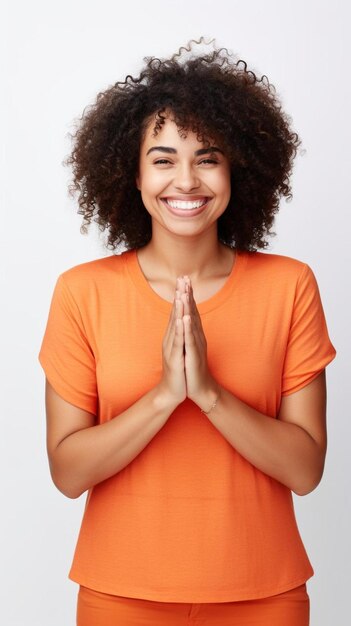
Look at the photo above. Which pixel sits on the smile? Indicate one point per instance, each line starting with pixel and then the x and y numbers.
pixel 185 205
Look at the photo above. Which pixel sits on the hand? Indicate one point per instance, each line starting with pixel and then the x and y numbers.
pixel 173 363
pixel 199 380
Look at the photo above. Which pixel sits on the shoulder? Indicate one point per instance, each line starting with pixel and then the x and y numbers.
pixel 278 277
pixel 275 262
pixel 98 272
pixel 276 267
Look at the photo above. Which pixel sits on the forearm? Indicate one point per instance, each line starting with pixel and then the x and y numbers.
pixel 89 456
pixel 281 450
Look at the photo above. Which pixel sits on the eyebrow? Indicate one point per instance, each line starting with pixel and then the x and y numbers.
pixel 174 151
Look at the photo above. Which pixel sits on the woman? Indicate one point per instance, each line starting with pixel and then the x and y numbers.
pixel 185 377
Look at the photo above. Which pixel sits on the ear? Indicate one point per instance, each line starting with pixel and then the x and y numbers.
pixel 137 182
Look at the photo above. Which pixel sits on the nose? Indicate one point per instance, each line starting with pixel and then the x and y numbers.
pixel 186 178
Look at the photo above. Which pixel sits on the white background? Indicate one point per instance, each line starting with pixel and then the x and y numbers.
pixel 58 57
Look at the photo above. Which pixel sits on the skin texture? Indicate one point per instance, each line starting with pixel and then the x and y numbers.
pixel 185 263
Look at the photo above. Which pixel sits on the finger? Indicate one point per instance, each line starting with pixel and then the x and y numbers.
pixel 189 337
pixel 170 320
pixel 170 330
pixel 189 309
pixel 169 333
pixel 179 307
pixel 181 284
pixel 194 309
pixel 187 283
pixel 192 299
pixel 196 335
pixel 188 289
pixel 178 315
pixel 186 303
pixel 197 323
pixel 172 315
pixel 177 350
pixel 192 306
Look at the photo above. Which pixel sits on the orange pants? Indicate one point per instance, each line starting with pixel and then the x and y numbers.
pixel 290 608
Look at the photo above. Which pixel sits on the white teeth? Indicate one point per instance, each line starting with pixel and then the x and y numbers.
pixel 182 204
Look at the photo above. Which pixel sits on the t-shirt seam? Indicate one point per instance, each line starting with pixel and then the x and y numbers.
pixel 74 575
pixel 236 269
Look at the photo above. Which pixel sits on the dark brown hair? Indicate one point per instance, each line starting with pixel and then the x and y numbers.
pixel 216 97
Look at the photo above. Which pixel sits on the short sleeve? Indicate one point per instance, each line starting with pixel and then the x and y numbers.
pixel 309 348
pixel 65 354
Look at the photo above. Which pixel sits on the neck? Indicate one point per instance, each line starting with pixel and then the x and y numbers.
pixel 195 256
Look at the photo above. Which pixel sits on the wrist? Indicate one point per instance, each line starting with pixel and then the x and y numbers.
pixel 164 400
pixel 207 399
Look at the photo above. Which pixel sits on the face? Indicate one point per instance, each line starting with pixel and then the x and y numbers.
pixel 184 186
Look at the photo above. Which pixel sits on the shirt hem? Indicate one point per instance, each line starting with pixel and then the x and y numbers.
pixel 141 593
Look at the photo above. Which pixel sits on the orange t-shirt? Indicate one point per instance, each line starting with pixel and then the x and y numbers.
pixel 189 519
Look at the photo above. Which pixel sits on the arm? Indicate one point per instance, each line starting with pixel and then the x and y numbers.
pixel 82 454
pixel 291 448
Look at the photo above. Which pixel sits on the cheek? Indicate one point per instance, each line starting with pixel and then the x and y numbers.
pixel 221 183
pixel 153 182
pixel 151 188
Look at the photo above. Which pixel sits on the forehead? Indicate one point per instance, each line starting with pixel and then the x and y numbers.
pixel 170 134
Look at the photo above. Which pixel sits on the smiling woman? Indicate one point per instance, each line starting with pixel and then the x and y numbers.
pixel 239 112
pixel 185 185
pixel 185 376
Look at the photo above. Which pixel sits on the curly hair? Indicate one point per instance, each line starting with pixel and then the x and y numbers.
pixel 213 95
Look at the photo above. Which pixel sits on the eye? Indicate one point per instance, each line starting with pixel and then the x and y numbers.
pixel 210 161
pixel 161 162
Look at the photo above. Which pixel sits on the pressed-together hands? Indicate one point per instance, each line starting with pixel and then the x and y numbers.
pixel 184 348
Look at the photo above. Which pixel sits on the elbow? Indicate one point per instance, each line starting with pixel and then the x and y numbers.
pixel 307 486
pixel 65 486
pixel 303 491
pixel 73 495
pixel 63 477
pixel 312 476
pixel 66 489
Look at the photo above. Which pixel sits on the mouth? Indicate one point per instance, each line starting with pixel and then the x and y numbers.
pixel 186 208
